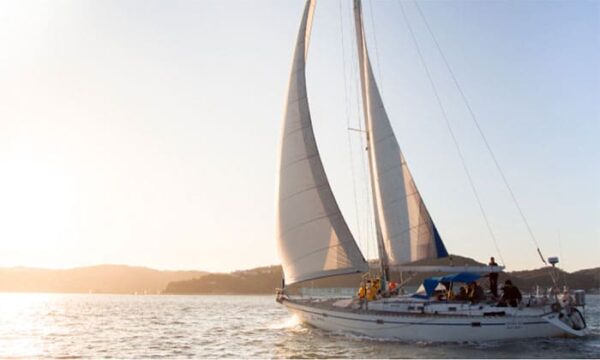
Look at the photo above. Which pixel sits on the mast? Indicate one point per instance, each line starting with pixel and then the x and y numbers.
pixel 364 66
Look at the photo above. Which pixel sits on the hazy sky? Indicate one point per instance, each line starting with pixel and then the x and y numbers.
pixel 146 132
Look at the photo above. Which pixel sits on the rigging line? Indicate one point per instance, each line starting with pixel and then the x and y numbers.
pixel 479 129
pixel 349 136
pixel 376 48
pixel 452 135
pixel 562 258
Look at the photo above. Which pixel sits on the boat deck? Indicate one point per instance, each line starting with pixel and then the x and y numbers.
pixel 408 306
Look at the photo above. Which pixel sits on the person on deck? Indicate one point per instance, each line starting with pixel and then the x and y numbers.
pixel 393 288
pixel 377 284
pixel 362 293
pixel 450 295
pixel 441 293
pixel 462 294
pixel 371 291
pixel 475 293
pixel 510 295
pixel 493 278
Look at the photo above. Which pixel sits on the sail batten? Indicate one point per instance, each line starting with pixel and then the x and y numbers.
pixel 314 239
pixel 405 229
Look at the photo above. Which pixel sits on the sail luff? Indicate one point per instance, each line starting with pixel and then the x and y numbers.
pixel 313 237
pixel 406 231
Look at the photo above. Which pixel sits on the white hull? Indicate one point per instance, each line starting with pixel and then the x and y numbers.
pixel 425 327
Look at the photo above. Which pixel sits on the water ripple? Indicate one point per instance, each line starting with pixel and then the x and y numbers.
pixel 121 326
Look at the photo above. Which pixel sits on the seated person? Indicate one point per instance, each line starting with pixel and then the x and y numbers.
pixel 462 294
pixel 450 295
pixel 511 295
pixel 393 288
pixel 476 293
pixel 377 288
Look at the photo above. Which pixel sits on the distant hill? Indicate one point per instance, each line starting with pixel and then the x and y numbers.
pixel 587 279
pixel 98 279
pixel 261 280
pixel 593 273
pixel 127 279
pixel 265 280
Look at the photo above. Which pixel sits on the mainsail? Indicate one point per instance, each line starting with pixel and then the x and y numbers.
pixel 314 239
pixel 405 229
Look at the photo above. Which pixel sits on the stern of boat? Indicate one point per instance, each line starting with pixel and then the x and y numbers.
pixel 568 314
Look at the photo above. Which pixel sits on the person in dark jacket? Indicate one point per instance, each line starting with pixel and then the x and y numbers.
pixel 475 293
pixel 462 294
pixel 511 295
pixel 493 278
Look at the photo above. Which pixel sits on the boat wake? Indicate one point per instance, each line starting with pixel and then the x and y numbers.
pixel 287 323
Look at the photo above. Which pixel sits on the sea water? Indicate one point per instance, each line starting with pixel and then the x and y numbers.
pixel 129 326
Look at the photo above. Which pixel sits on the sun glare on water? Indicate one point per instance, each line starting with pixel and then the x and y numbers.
pixel 24 315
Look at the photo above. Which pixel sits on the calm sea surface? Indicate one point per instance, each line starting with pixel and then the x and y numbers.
pixel 127 326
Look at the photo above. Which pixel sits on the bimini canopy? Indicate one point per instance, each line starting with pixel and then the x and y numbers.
pixel 464 277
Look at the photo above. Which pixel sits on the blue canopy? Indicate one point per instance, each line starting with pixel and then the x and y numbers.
pixel 464 277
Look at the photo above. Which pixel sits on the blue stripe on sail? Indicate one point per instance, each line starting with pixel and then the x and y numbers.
pixel 439 245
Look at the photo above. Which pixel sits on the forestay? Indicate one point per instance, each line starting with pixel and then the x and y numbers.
pixel 405 229
pixel 314 239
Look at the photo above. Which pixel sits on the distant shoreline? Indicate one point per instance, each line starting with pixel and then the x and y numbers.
pixel 127 294
pixel 592 292
pixel 141 281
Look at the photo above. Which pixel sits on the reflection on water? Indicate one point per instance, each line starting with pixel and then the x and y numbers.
pixel 127 326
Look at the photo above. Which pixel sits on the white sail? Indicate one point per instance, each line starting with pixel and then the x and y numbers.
pixel 314 239
pixel 405 230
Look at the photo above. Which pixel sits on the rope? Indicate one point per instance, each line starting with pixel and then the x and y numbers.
pixel 487 145
pixel 561 256
pixel 452 135
pixel 347 104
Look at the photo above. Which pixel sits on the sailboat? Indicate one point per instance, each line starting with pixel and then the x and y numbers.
pixel 315 241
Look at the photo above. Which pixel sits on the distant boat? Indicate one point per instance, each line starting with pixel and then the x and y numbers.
pixel 315 241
